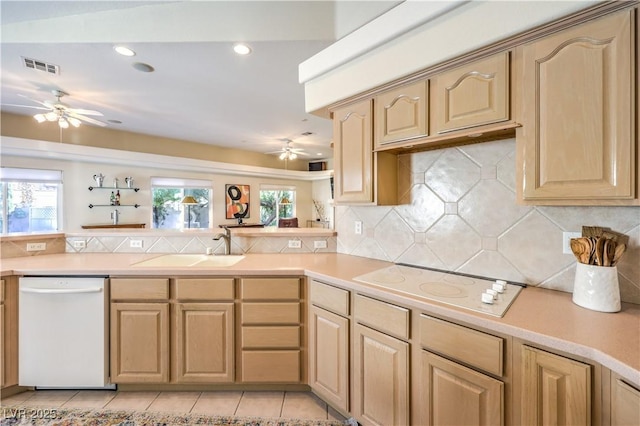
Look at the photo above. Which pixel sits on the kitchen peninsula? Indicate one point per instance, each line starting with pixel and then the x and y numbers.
pixel 541 322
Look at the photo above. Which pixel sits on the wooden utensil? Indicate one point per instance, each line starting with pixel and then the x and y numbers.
pixel 599 251
pixel 608 252
pixel 618 254
pixel 577 248
pixel 585 257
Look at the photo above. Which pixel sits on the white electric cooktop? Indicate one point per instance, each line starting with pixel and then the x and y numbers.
pixel 445 287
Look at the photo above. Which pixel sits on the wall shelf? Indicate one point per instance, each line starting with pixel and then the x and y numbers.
pixel 114 205
pixel 91 188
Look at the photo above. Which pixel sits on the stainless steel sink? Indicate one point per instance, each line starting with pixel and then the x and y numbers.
pixel 186 260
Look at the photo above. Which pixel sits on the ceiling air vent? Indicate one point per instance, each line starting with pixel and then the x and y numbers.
pixel 34 64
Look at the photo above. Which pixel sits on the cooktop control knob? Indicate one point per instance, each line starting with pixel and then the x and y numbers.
pixel 500 286
pixel 487 298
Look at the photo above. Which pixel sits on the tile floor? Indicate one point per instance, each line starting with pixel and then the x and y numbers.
pixel 300 405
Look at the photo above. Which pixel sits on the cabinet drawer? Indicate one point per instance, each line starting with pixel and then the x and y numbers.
pixel 471 347
pixel 258 337
pixel 203 289
pixel 271 366
pixel 382 316
pixel 270 313
pixel 329 297
pixel 269 288
pixel 139 288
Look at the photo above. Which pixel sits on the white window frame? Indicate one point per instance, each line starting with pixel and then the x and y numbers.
pixel 272 187
pixel 20 174
pixel 182 183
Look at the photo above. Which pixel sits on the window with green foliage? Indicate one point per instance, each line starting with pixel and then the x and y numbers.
pixel 168 210
pixel 276 202
pixel 30 199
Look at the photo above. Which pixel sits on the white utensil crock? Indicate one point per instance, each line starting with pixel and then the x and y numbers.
pixel 596 288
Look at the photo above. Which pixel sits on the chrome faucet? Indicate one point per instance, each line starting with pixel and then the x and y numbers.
pixel 227 240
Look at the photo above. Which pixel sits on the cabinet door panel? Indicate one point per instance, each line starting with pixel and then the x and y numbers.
pixel 577 113
pixel 329 357
pixel 625 403
pixel 139 342
pixel 471 95
pixel 401 114
pixel 203 344
pixel 457 395
pixel 353 158
pixel 2 357
pixel 381 376
pixel 555 390
pixel 271 366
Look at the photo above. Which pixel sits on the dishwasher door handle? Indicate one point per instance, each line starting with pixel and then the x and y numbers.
pixel 61 290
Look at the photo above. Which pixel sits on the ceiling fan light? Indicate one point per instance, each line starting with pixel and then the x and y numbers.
pixel 283 155
pixel 63 123
pixel 74 121
pixel 40 118
pixel 293 156
pixel 51 116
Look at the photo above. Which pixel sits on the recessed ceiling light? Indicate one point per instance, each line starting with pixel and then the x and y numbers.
pixel 241 49
pixel 124 51
pixel 140 66
pixel 318 153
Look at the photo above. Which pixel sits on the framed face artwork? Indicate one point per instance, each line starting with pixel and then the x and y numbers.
pixel 237 201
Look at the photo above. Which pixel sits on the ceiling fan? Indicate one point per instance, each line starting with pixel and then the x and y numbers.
pixel 60 112
pixel 288 152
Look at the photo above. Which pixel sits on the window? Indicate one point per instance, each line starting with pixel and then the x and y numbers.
pixel 276 202
pixel 168 210
pixel 31 200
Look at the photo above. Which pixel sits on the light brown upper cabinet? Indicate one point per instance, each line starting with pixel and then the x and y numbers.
pixel 471 95
pixel 577 144
pixel 401 114
pixel 361 176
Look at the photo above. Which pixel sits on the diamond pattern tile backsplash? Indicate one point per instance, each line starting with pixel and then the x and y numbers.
pixel 458 212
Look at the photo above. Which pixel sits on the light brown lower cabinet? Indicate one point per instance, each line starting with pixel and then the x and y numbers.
pixel 555 390
pixel 457 395
pixel 139 342
pixel 625 403
pixel 202 342
pixel 381 378
pixel 329 357
pixel 8 332
pixel 270 332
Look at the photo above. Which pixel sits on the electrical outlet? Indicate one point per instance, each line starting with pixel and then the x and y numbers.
pixel 135 243
pixel 295 244
pixel 79 244
pixel 358 227
pixel 322 244
pixel 36 246
pixel 566 241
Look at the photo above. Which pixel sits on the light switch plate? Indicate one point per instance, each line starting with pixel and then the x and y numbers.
pixel 79 244
pixel 36 246
pixel 295 244
pixel 358 227
pixel 322 244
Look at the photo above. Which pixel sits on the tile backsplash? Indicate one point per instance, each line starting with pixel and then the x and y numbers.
pixel 458 212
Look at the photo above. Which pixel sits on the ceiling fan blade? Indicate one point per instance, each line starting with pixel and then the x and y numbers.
pixel 87 119
pixel 84 111
pixel 275 152
pixel 33 100
pixel 27 106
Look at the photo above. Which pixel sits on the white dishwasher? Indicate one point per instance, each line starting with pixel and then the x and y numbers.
pixel 63 332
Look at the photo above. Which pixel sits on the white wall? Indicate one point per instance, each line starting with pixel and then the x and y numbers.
pixel 77 177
